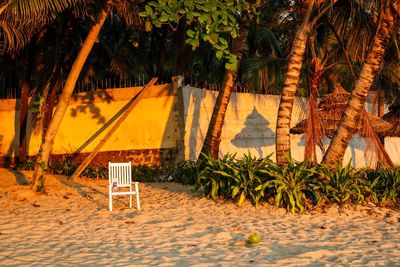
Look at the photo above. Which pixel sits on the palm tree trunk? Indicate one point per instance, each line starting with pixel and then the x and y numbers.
pixel 213 136
pixel 289 89
pixel 23 118
pixel 381 102
pixel 355 106
pixel 39 177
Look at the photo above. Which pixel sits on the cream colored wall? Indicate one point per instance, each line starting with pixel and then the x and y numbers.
pixel 151 124
pixel 250 124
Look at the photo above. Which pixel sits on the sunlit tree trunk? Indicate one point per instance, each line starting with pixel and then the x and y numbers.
pixel 39 176
pixel 289 89
pixel 355 106
pixel 213 136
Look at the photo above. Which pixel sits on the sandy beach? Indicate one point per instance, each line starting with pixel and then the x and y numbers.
pixel 71 226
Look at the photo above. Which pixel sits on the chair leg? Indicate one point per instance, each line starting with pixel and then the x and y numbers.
pixel 137 196
pixel 130 197
pixel 110 201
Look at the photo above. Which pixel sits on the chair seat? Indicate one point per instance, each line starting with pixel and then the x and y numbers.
pixel 123 193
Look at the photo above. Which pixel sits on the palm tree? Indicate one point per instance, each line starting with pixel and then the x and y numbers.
pixel 263 49
pixel 290 87
pixel 213 136
pixel 39 177
pixel 372 65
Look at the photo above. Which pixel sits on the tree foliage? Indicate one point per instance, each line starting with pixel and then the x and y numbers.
pixel 209 21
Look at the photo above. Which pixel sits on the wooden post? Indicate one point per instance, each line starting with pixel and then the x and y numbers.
pixel 96 150
pixel 177 83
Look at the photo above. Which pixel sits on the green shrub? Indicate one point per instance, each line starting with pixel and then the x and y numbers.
pixel 249 180
pixel 343 184
pixel 186 172
pixel 27 165
pixel 95 172
pixel 65 166
pixel 385 185
pixel 293 184
pixel 214 177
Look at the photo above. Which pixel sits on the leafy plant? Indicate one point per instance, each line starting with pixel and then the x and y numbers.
pixel 95 172
pixel 385 185
pixel 344 184
pixel 215 178
pixel 27 165
pixel 65 166
pixel 148 174
pixel 250 179
pixel 293 183
pixel 186 172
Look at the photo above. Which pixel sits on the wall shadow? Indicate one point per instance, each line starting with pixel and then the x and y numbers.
pixel 197 101
pixel 256 133
pixel 88 104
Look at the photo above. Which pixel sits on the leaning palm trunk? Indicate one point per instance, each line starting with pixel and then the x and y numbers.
pixel 289 89
pixel 213 136
pixel 39 177
pixel 355 106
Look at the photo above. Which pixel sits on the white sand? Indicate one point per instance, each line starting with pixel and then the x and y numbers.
pixel 71 226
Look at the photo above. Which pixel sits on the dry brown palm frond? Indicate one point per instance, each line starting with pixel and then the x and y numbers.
pixel 374 150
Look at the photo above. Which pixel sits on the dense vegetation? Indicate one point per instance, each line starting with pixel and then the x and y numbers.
pixel 297 186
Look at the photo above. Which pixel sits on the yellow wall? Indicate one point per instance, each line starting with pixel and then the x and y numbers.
pixel 150 125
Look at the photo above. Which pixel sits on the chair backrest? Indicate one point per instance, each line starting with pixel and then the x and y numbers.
pixel 120 174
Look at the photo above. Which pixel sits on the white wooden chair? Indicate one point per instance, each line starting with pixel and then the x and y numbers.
pixel 120 175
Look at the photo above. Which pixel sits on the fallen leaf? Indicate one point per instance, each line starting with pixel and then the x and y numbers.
pixel 129 222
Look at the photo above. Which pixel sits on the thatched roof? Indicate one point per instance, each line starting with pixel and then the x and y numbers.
pixel 329 113
pixel 392 117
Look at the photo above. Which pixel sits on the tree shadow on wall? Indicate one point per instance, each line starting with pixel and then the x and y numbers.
pixel 256 133
pixel 88 104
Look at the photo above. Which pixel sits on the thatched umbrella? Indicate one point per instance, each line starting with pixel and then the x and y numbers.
pixel 393 117
pixel 329 112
